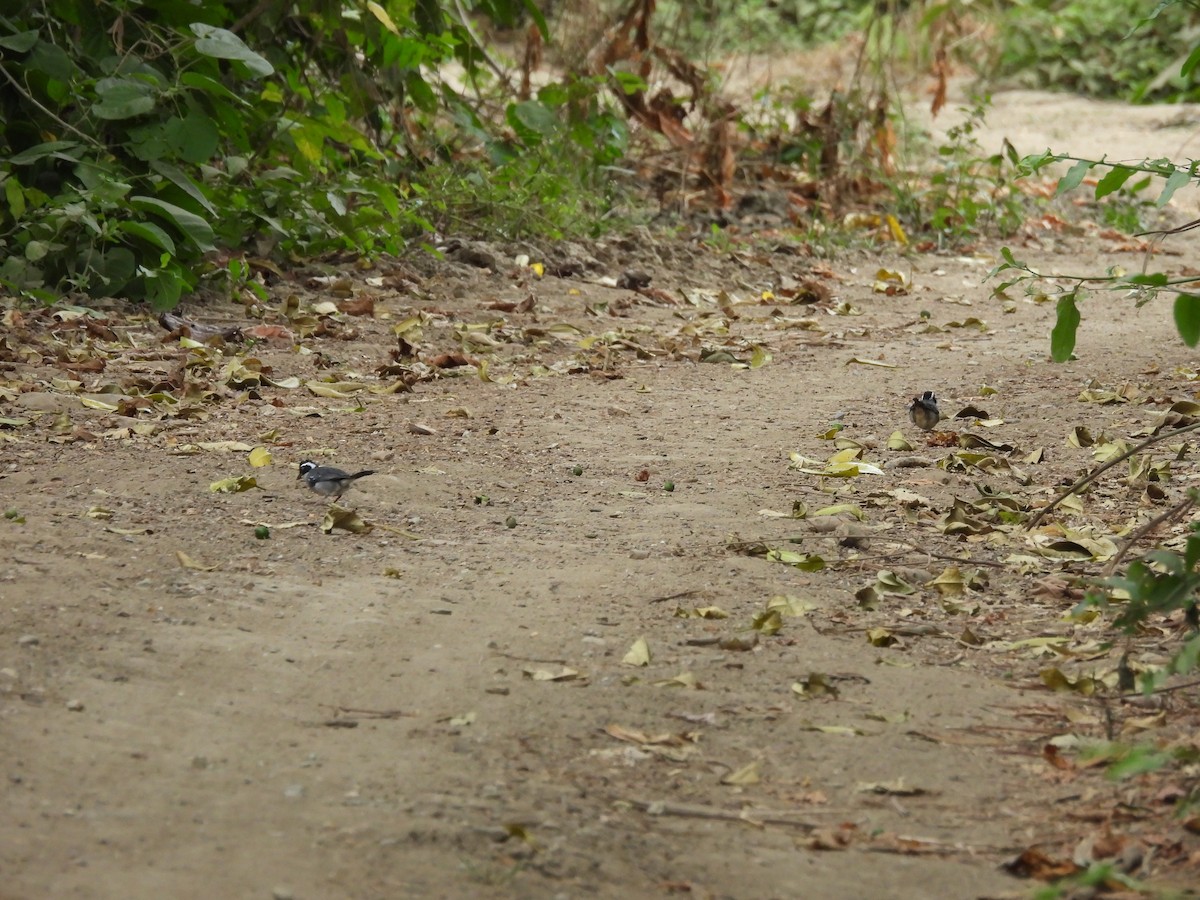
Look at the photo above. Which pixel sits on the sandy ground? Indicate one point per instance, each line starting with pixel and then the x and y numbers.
pixel 442 707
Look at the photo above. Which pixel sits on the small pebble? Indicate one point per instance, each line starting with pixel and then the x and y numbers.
pixel 28 640
pixel 75 705
pixel 280 892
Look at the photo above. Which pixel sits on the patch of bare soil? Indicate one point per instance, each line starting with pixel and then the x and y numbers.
pixel 456 703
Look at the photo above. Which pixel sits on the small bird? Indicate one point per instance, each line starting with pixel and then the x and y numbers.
pixel 924 411
pixel 328 481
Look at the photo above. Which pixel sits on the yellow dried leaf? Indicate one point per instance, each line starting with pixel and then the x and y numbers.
pixel 683 679
pixel 220 446
pixel 93 403
pixel 259 457
pixel 382 15
pixel 563 674
pixel 787 605
pixel 188 563
pixel 897 231
pixel 747 774
pixel 334 390
pixel 638 655
pixel 344 519
pixel 881 637
pixel 234 485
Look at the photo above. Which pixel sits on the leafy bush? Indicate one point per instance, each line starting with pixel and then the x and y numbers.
pixel 762 25
pixel 1131 49
pixel 137 136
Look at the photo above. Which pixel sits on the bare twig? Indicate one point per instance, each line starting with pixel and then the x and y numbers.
pixel 1092 476
pixel 957 559
pixel 464 19
pixel 240 25
pixel 1133 695
pixel 1173 513
pixel 748 816
pixel 373 713
pixel 690 592
pixel 32 99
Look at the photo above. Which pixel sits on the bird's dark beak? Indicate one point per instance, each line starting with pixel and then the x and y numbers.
pixel 300 475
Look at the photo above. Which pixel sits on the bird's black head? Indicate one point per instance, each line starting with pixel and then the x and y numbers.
pixel 305 467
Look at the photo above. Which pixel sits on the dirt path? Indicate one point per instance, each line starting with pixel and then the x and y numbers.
pixel 372 715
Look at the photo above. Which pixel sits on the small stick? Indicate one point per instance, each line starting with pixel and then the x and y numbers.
pixel 1172 513
pixel 1089 478
pixel 1163 690
pixel 690 592
pixel 695 811
pixel 958 559
pixel 373 713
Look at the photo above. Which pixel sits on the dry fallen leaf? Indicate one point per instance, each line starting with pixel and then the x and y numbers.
pixel 188 563
pixel 344 519
pixel 747 774
pixel 563 674
pixel 638 654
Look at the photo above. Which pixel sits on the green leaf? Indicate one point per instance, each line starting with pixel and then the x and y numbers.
pixel 193 227
pixel 1139 761
pixel 15 197
pixel 538 19
pixel 421 93
pixel 194 138
pixel 1153 279
pixel 178 178
pixel 1074 177
pixel 122 98
pixel 1177 179
pixel 531 120
pixel 1187 318
pixel 150 233
pixel 220 43
pixel 1062 337
pixel 53 60
pixel 163 287
pixel 1116 177
pixel 20 42
pixel 212 87
pixel 41 151
pixel 1190 63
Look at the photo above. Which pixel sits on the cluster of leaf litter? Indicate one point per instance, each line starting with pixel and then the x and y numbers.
pixel 1010 591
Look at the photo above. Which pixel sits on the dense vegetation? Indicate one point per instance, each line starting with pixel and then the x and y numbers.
pixel 148 145
pixel 135 137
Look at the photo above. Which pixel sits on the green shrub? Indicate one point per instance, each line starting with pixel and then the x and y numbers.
pixel 1128 49
pixel 139 135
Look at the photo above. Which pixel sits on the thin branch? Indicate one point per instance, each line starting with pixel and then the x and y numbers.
pixel 24 93
pixel 747 816
pixel 465 20
pixel 1173 513
pixel 238 26
pixel 1133 695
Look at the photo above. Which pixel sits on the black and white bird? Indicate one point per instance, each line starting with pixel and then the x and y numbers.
pixel 924 411
pixel 328 481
